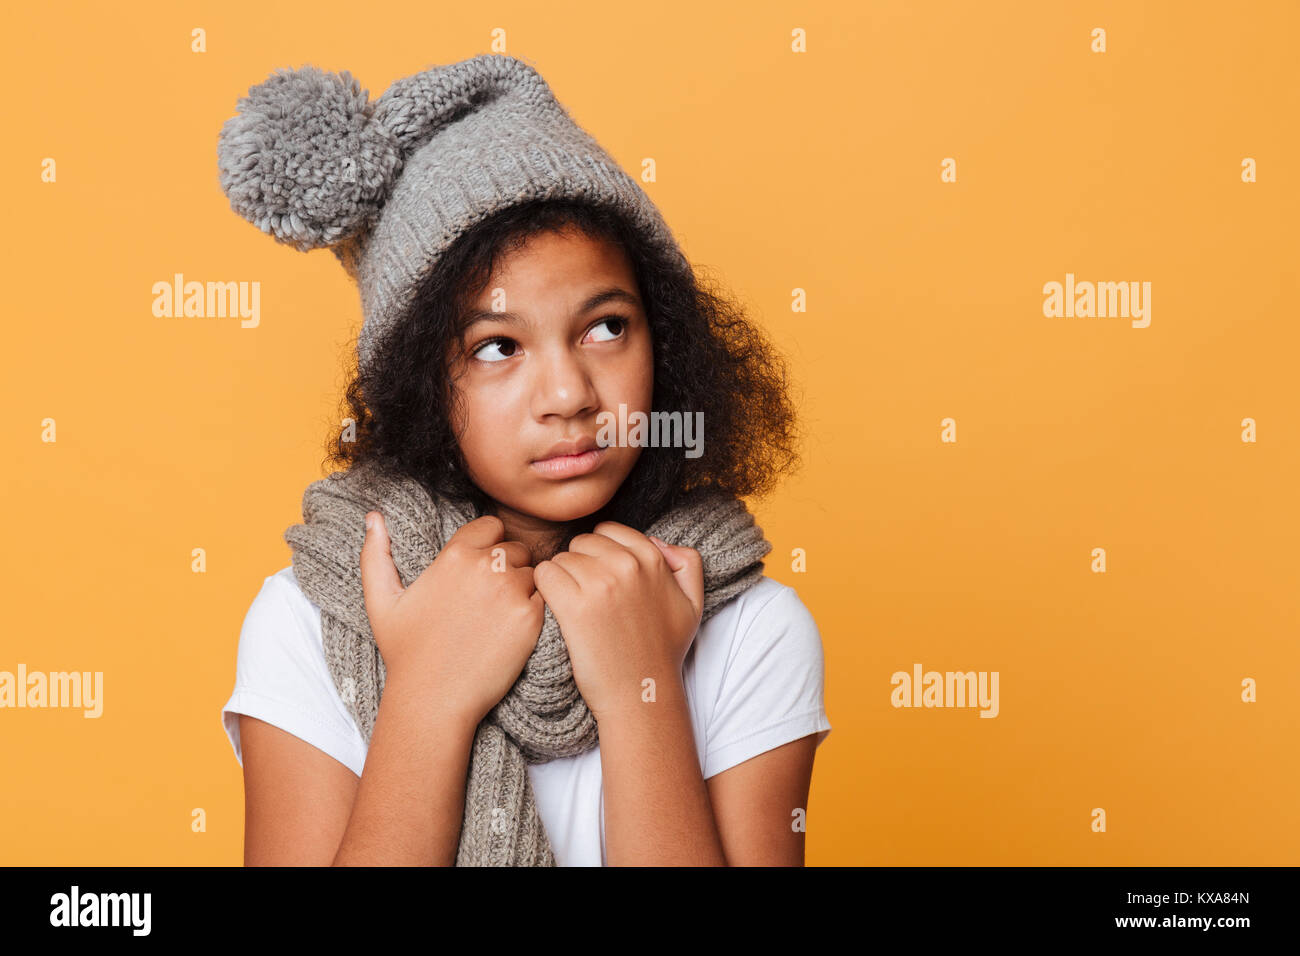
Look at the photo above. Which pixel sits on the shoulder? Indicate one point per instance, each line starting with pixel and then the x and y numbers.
pixel 760 642
pixel 768 614
pixel 280 637
pixel 760 671
pixel 282 677
pixel 279 611
pixel 282 588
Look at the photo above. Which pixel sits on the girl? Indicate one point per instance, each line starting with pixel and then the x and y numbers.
pixel 514 632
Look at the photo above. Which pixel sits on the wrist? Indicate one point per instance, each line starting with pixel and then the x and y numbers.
pixel 637 702
pixel 435 705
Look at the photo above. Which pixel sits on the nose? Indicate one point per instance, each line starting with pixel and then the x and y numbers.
pixel 563 386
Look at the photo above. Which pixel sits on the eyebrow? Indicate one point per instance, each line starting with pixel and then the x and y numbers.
pixel 595 301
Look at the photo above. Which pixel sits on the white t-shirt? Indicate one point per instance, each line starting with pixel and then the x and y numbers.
pixel 753 678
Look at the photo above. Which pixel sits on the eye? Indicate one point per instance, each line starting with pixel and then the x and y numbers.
pixel 617 321
pixel 506 346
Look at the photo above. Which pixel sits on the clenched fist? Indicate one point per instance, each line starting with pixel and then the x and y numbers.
pixel 628 607
pixel 467 625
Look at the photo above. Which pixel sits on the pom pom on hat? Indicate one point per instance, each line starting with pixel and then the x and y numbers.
pixel 304 159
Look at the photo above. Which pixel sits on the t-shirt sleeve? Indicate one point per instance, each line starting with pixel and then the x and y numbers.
pixel 281 676
pixel 773 689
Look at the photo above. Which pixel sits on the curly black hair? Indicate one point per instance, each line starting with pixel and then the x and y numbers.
pixel 707 358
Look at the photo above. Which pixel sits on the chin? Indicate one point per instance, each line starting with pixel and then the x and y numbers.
pixel 570 501
pixel 577 497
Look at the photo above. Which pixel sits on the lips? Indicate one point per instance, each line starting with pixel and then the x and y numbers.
pixel 576 446
pixel 570 459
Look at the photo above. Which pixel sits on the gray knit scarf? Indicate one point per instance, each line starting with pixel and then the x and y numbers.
pixel 543 716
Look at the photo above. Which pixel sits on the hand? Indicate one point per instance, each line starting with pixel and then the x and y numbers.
pixel 467 625
pixel 628 607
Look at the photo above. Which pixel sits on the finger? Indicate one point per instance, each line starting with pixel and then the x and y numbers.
pixel 595 545
pixel 581 567
pixel 515 553
pixel 554 583
pixel 380 582
pixel 539 608
pixel 631 539
pixel 521 581
pixel 481 532
pixel 688 571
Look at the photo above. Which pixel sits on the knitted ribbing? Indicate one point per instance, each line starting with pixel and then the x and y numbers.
pixel 543 716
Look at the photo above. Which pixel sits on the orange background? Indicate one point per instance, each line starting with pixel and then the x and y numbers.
pixel 776 170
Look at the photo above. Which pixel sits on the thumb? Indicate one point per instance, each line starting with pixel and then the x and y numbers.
pixel 380 582
pixel 688 571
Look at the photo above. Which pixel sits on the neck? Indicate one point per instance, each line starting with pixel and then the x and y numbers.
pixel 544 539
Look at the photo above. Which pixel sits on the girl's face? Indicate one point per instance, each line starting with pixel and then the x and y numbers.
pixel 557 336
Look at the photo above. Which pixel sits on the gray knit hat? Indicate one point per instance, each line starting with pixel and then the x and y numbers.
pixel 389 185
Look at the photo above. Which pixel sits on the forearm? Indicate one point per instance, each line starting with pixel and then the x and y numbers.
pixel 411 797
pixel 657 809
